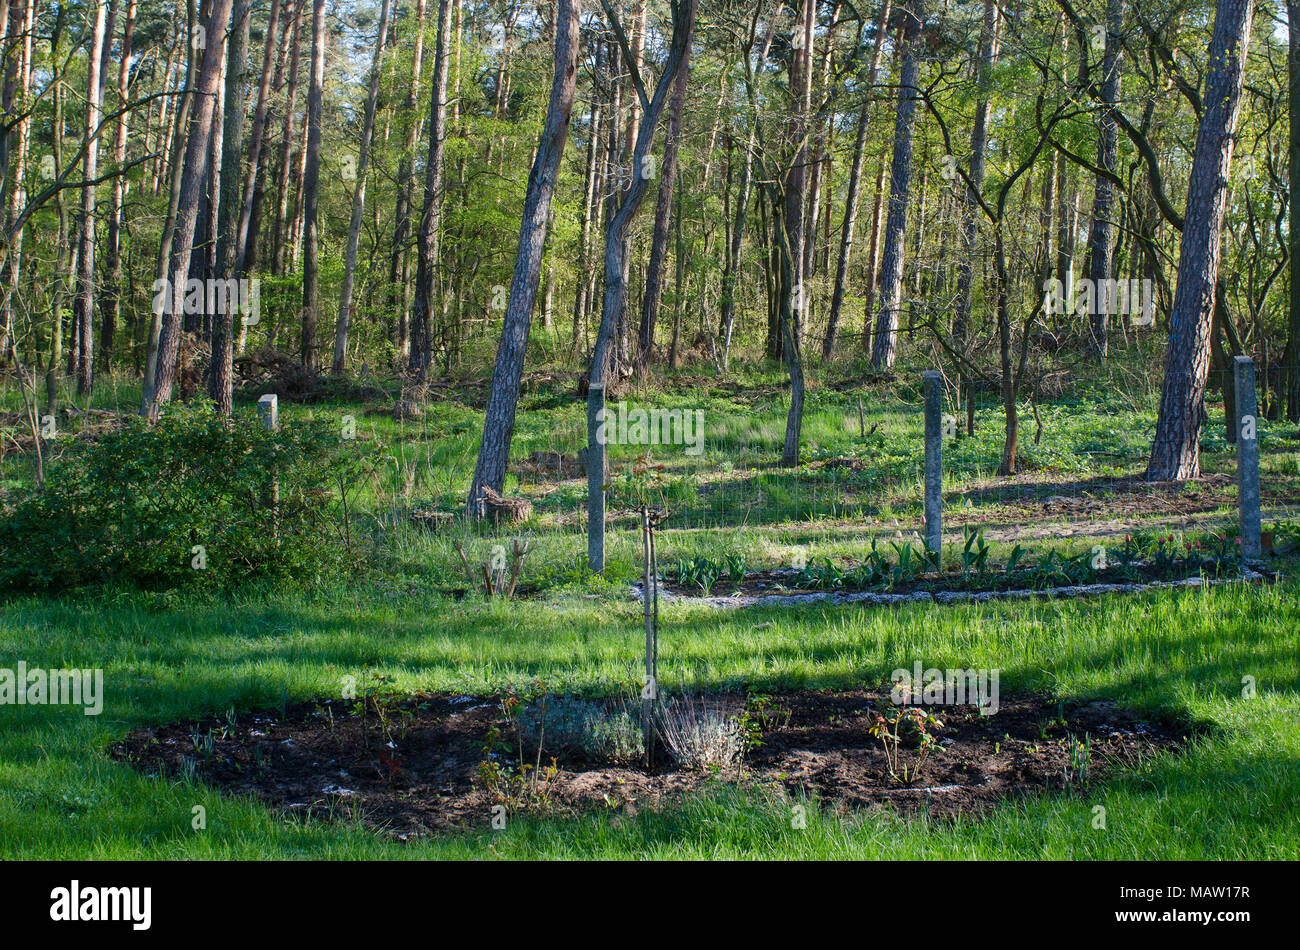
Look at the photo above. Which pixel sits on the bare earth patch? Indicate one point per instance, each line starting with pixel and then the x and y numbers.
pixel 418 774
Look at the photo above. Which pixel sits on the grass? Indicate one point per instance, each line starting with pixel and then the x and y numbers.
pixel 1233 794
pixel 167 657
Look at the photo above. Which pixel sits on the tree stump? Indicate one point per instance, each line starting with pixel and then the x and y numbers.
pixel 501 510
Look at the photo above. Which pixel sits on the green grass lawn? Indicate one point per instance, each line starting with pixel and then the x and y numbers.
pixel 1235 793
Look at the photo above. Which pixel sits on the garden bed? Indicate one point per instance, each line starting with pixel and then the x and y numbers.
pixel 772 589
pixel 412 766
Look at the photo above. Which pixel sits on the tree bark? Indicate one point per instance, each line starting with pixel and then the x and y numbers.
pixel 110 302
pixel 1101 237
pixel 84 312
pixel 1175 451
pixel 616 227
pixel 193 172
pixel 855 180
pixel 311 190
pixel 399 269
pixel 499 417
pixel 979 140
pixel 286 152
pixel 885 346
pixel 1291 356
pixel 426 270
pixel 250 206
pixel 221 374
pixel 359 198
pixel 663 214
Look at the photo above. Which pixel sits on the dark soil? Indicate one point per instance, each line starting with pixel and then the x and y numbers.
pixel 327 760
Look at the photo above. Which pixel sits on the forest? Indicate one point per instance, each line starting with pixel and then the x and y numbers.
pixel 634 429
pixel 195 192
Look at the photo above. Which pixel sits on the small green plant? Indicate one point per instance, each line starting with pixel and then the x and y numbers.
pixel 900 726
pixel 760 716
pixel 1079 762
pixel 701 572
pixel 974 552
pixel 521 784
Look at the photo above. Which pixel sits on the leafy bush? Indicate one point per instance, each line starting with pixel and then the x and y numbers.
pixel 181 504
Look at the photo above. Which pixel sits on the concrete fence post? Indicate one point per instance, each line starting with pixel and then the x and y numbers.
pixel 268 410
pixel 1243 373
pixel 596 478
pixel 933 461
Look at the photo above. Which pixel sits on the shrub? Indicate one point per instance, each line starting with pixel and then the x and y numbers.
pixel 181 504
pixel 701 735
pixel 581 726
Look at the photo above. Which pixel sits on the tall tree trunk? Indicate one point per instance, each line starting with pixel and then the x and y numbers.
pixel 663 213
pixel 582 285
pixel 426 270
pixel 193 171
pixel 736 238
pixel 24 12
pixel 796 179
pixel 616 226
pixel 311 190
pixel 180 142
pixel 885 346
pixel 855 180
pixel 1175 451
pixel 359 198
pixel 221 373
pixel 110 303
pixel 399 270
pixel 84 312
pixel 873 259
pixel 979 141
pixel 286 151
pixel 1291 356
pixel 250 205
pixel 1101 237
pixel 499 417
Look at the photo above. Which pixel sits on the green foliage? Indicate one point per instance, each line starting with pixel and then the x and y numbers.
pixel 182 504
pixel 900 727
pixel 568 724
pixel 702 572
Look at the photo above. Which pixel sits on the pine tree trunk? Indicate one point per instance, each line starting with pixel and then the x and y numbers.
pixel 251 204
pixel 193 171
pixel 855 184
pixel 286 163
pixel 885 346
pixel 110 303
pixel 399 270
pixel 426 270
pixel 979 141
pixel 311 190
pixel 499 419
pixel 84 312
pixel 1101 237
pixel 221 373
pixel 359 198
pixel 1175 451
pixel 663 213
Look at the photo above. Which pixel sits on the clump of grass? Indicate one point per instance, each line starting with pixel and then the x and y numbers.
pixel 701 735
